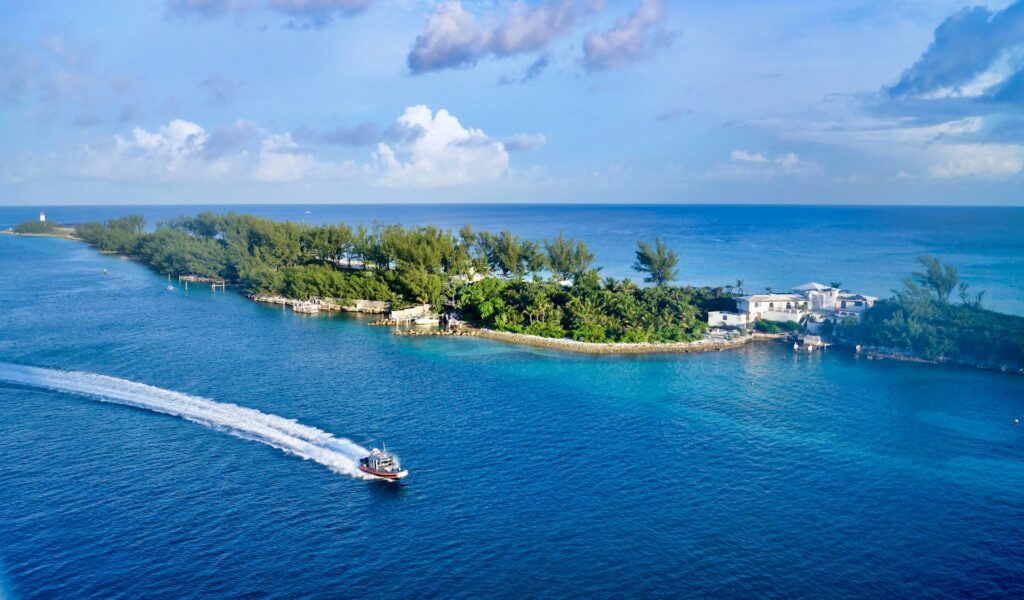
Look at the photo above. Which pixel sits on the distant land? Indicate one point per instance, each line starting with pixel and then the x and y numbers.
pixel 524 291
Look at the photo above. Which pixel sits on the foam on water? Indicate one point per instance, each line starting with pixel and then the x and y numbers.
pixel 338 454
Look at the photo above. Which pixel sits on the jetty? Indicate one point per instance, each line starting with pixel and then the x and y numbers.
pixel 810 343
pixel 213 281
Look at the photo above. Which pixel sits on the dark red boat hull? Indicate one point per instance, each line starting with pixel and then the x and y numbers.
pixel 384 474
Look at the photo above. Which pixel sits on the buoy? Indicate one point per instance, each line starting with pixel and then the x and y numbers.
pixel 1016 421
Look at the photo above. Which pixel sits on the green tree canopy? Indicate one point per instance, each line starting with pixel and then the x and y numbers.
pixel 658 262
pixel 939 278
pixel 567 258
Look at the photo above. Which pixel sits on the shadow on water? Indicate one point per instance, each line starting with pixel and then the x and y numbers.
pixel 386 491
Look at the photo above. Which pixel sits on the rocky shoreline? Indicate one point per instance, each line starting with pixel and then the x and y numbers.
pixel 567 345
pixel 878 353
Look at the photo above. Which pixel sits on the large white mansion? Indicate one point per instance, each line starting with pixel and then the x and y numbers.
pixel 811 302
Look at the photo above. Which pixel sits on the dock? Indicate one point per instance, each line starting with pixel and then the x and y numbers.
pixel 213 281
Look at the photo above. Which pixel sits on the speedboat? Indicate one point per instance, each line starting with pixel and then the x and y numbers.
pixel 383 464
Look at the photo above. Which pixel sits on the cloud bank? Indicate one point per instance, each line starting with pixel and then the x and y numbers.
pixel 306 13
pixel 421 149
pixel 975 53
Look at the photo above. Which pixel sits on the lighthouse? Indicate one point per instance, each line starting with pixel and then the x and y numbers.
pixel 42 217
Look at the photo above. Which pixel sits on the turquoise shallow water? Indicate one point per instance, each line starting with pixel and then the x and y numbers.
pixel 534 473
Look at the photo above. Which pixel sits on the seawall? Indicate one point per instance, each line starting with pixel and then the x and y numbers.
pixel 705 345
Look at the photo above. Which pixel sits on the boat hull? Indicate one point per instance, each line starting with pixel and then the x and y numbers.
pixel 393 475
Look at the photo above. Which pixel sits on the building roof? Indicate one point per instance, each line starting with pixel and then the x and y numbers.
pixel 857 297
pixel 774 298
pixel 813 286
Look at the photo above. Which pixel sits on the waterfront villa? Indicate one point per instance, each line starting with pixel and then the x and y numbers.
pixel 814 302
pixel 774 307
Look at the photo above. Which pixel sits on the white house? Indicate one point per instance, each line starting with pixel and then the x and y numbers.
pixel 854 303
pixel 721 318
pixel 42 217
pixel 758 304
pixel 820 296
pixel 811 302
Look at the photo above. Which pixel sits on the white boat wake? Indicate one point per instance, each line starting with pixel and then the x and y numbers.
pixel 337 454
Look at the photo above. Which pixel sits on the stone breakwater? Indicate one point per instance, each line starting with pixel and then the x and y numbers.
pixel 880 353
pixel 372 307
pixel 705 345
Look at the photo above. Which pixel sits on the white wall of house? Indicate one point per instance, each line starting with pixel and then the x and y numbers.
pixel 822 299
pixel 858 305
pixel 756 306
pixel 793 315
pixel 727 319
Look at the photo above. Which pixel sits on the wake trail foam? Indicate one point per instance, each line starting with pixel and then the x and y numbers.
pixel 338 454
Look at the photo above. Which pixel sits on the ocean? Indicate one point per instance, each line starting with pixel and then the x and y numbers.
pixel 173 444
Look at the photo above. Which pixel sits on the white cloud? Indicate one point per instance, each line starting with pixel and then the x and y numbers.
pixel 446 154
pixel 423 149
pixel 948 149
pixel 632 38
pixel 791 164
pixel 173 143
pixel 175 151
pixel 455 37
pixel 966 160
pixel 744 156
pixel 756 165
pixel 185 151
pixel 281 159
pixel 524 142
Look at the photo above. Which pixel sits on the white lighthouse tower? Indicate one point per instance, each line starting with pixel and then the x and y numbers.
pixel 42 217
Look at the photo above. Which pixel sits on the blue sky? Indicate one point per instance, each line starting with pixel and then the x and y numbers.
pixel 736 101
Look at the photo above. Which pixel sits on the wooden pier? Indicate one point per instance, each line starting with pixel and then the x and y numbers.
pixel 214 282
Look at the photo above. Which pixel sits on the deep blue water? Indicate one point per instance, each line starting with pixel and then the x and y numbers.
pixel 534 474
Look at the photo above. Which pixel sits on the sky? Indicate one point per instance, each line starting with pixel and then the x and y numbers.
pixel 564 101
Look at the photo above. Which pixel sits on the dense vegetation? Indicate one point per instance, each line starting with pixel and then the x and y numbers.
pixel 499 280
pixel 766 326
pixel 35 226
pixel 921 319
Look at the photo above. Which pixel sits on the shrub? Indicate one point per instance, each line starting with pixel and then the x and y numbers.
pixel 35 227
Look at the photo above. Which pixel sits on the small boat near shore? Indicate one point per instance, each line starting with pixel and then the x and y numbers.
pixel 383 464
pixel 430 320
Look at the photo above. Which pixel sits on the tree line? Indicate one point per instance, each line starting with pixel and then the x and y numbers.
pixel 501 280
pixel 923 319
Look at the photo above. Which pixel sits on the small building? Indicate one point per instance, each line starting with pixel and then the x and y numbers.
pixel 854 303
pixel 726 319
pixel 409 314
pixel 42 217
pixel 809 343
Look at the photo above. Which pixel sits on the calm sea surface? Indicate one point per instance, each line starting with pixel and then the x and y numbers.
pixel 754 473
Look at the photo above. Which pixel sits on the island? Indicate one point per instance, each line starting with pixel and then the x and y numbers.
pixel 546 293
